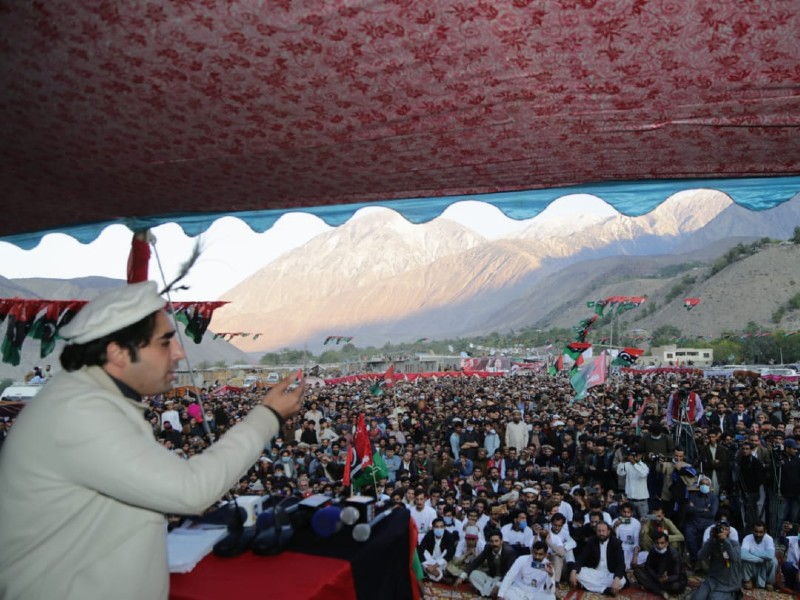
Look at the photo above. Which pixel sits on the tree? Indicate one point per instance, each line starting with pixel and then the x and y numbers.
pixel 796 237
pixel 270 358
pixel 666 334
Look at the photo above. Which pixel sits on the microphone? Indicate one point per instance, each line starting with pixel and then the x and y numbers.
pixel 239 538
pixel 363 531
pixel 327 521
pixel 332 518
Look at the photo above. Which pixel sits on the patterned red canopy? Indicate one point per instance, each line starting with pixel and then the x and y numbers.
pixel 115 109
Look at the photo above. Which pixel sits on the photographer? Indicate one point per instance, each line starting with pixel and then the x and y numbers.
pixel 530 577
pixel 635 472
pixel 714 460
pixel 724 579
pixel 655 447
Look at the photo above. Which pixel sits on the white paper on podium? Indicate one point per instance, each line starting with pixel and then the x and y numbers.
pixel 187 547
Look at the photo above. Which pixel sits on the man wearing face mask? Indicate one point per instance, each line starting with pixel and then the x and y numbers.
pixel 517 533
pixel 435 550
pixel 663 572
pixel 701 509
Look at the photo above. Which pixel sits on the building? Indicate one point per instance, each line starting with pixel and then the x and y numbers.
pixel 673 356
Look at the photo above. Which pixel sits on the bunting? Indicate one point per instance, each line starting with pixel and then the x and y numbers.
pixel 582 330
pixel 229 335
pixel 20 320
pixel 339 339
pixel 197 317
pixel 44 328
pixel 42 319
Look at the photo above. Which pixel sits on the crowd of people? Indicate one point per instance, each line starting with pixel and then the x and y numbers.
pixel 520 490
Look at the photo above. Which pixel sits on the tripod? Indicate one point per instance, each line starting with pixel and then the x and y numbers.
pixel 775 505
pixel 684 432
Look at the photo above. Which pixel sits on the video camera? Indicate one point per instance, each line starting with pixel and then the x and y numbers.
pixel 718 528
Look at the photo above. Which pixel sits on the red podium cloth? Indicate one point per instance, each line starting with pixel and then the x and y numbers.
pixel 288 576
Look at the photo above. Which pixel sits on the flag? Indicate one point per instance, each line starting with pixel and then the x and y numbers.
pixel 359 453
pixel 575 349
pixel 421 340
pixel 329 339
pixel 598 306
pixel 589 375
pixel 582 330
pixel 196 316
pixel 139 257
pixel 388 376
pixel 373 472
pixel 20 319
pixel 690 303
pixel 627 357
pixel 44 328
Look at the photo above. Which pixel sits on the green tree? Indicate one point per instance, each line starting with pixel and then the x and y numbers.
pixel 796 237
pixel 666 334
pixel 723 349
pixel 270 358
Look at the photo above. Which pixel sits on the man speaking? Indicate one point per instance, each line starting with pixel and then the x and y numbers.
pixel 83 483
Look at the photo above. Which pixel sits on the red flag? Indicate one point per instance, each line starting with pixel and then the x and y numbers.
pixel 690 303
pixel 139 257
pixel 346 477
pixel 363 446
pixel 388 377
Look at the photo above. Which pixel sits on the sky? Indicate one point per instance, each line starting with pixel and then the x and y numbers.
pixel 231 251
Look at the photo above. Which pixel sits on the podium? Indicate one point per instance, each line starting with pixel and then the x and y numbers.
pixel 312 568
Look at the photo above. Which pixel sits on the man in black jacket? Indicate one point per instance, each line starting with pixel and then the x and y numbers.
pixel 790 482
pixel 498 557
pixel 663 572
pixel 601 565
pixel 436 549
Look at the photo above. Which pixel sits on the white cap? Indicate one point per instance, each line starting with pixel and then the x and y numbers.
pixel 112 311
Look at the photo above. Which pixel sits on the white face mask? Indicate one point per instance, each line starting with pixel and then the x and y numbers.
pixel 661 550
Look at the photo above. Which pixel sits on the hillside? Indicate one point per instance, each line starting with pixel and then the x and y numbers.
pixel 751 289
